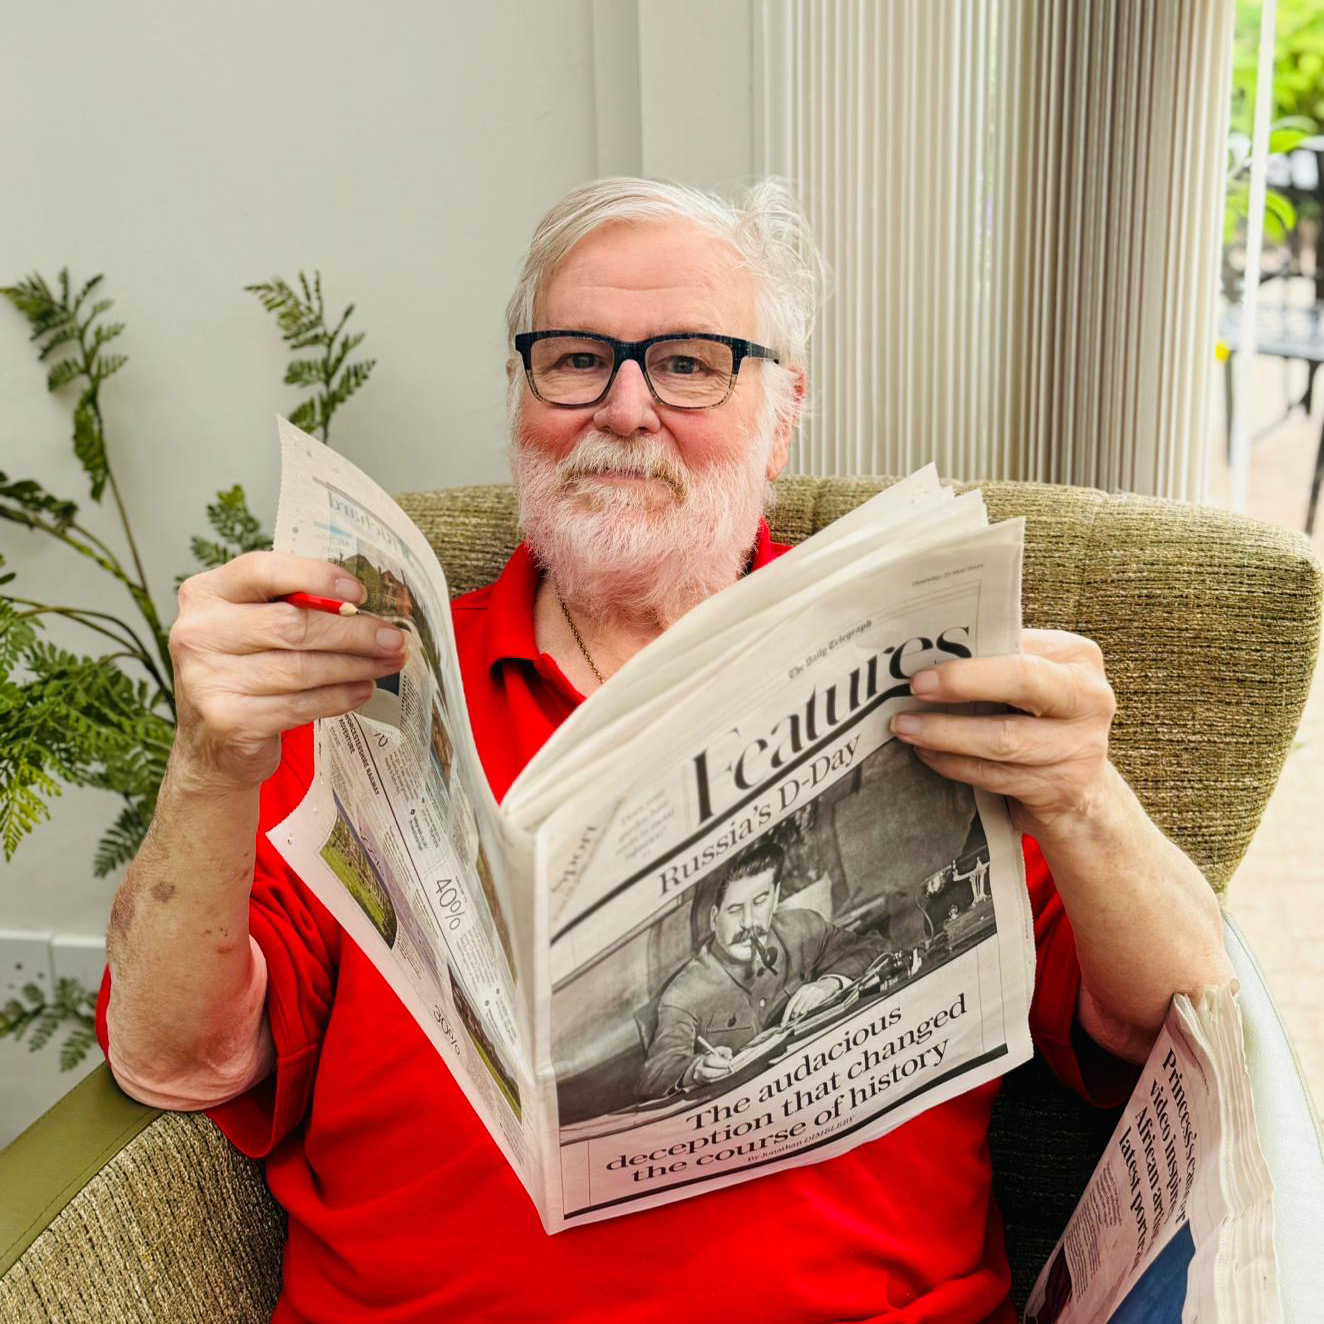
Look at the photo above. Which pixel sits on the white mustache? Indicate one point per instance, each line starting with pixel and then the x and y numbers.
pixel 597 455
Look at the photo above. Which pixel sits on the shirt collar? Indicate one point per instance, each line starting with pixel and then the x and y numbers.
pixel 510 635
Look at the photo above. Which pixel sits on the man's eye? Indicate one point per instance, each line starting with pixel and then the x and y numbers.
pixel 682 365
pixel 581 362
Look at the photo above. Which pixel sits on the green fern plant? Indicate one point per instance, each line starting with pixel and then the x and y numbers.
pixel 38 1020
pixel 301 316
pixel 107 719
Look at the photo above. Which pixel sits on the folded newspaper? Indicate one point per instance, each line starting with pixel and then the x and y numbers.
pixel 722 923
pixel 1176 1223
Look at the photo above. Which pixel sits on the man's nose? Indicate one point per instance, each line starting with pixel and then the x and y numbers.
pixel 629 407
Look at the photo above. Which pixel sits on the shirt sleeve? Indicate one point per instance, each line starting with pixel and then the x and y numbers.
pixel 671 1055
pixel 299 943
pixel 1074 1058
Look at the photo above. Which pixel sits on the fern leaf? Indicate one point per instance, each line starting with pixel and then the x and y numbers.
pixel 109 364
pixel 104 334
pixel 305 416
pixel 90 446
pixel 120 843
pixel 88 286
pixel 28 495
pixel 304 372
pixel 76 1047
pixel 354 376
pixel 21 805
pixel 33 298
pixel 61 337
pixel 233 520
pixel 208 554
pixel 17 634
pixel 44 1027
pixel 64 372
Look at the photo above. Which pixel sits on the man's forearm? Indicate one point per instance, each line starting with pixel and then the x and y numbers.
pixel 1146 923
pixel 180 957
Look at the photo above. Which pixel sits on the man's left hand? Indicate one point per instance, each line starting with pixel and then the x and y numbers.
pixel 1050 756
pixel 808 996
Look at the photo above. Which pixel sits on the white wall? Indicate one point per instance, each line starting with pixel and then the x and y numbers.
pixel 405 148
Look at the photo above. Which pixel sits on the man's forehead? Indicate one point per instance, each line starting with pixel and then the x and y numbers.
pixel 633 280
pixel 751 884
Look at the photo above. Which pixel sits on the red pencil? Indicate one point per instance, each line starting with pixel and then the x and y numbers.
pixel 333 606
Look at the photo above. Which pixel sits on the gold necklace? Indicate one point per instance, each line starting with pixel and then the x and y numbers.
pixel 583 648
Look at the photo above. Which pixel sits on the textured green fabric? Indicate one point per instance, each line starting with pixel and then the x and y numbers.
pixel 1209 625
pixel 46 1166
pixel 175 1226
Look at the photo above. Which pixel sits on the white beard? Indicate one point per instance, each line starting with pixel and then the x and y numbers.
pixel 658 549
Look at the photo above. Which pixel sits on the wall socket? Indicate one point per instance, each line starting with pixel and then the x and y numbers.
pixel 25 958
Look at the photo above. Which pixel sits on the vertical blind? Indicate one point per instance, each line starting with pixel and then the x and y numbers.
pixel 1021 204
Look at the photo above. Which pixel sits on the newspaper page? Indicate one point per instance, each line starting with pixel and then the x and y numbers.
pixel 724 922
pixel 1176 1223
pixel 782 934
pixel 399 835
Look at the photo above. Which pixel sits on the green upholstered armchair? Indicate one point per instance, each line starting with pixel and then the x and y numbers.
pixel 1209 624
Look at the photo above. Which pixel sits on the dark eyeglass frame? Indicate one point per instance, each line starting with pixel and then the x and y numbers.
pixel 626 350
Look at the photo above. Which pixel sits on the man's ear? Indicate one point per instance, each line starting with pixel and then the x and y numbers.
pixel 511 364
pixel 781 445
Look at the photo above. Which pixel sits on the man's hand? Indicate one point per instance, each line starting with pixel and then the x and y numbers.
pixel 713 1065
pixel 1050 756
pixel 808 996
pixel 1145 921
pixel 248 668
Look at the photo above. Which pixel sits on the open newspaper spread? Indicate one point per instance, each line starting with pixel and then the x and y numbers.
pixel 1176 1223
pixel 723 922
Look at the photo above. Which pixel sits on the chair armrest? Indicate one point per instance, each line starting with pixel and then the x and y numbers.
pixel 113 1210
pixel 45 1167
pixel 1289 1136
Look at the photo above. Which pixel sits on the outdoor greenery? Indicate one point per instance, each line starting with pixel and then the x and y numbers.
pixel 1298 66
pixel 1297 113
pixel 107 720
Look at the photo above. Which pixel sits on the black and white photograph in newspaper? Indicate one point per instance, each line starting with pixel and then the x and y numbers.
pixel 880 880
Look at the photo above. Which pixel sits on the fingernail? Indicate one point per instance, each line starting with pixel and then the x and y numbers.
pixel 349 590
pixel 924 682
pixel 391 640
pixel 906 725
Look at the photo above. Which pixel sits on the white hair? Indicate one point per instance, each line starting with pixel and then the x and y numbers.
pixel 766 226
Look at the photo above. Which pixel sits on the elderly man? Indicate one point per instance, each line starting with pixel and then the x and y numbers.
pixel 643 441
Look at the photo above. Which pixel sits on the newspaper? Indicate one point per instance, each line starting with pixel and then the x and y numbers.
pixel 723 922
pixel 1177 1220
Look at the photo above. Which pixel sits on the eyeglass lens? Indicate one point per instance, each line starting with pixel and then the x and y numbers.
pixel 571 370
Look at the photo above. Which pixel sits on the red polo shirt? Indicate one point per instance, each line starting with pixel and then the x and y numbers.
pixel 402 1210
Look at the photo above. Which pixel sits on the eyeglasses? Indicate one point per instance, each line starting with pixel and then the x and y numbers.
pixel 685 369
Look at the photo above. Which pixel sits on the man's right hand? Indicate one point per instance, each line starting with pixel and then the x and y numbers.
pixel 248 668
pixel 714 1065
